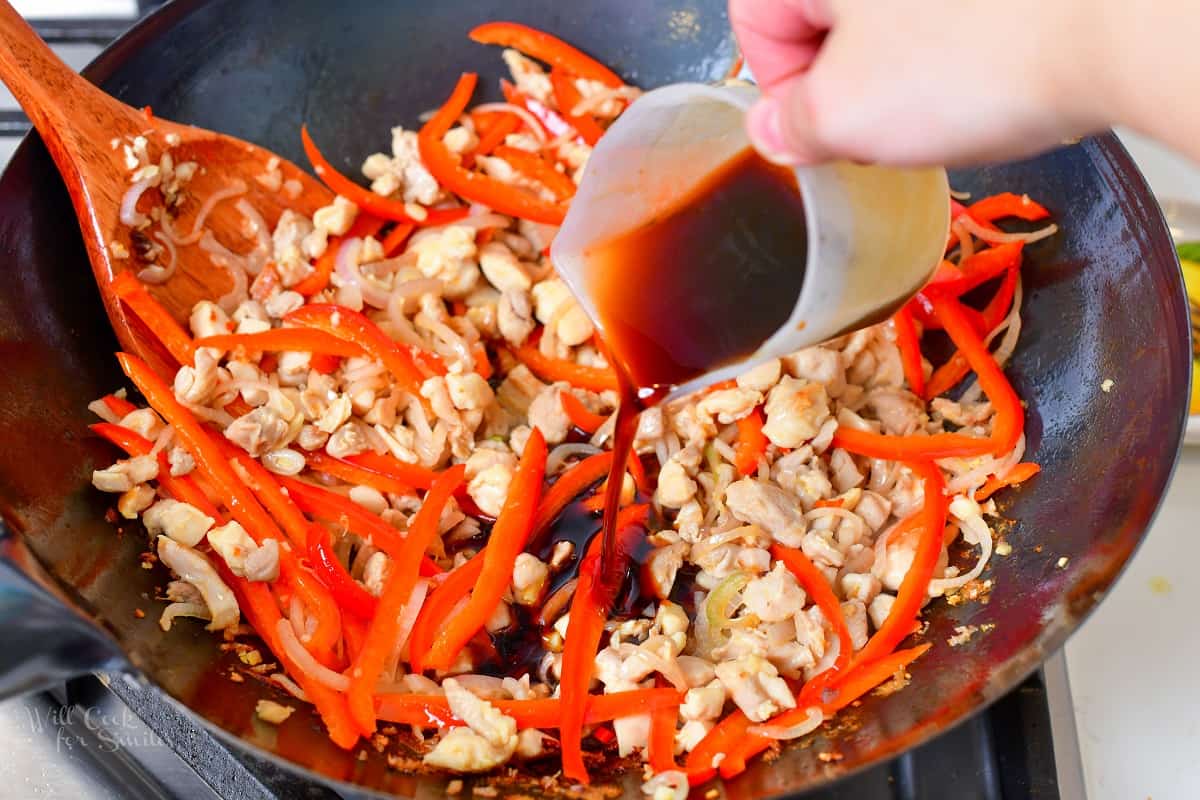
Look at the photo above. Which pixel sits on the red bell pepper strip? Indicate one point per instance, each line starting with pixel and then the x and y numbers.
pixel 160 322
pixel 346 591
pixel 453 590
pixel 356 328
pixel 356 475
pixel 433 711
pixel 596 379
pixel 409 474
pixel 1018 474
pixel 318 279
pixel 1006 204
pixel 577 412
pixel 661 744
pixel 308 340
pixel 914 589
pixel 118 405
pixel 382 207
pixel 496 134
pixel 475 186
pixel 319 363
pixel 398 587
pixel 909 343
pixel 179 487
pixel 536 168
pixel 589 610
pixel 956 367
pixel 327 505
pixel 572 483
pixel 506 541
pixel 262 612
pixel 393 243
pixel 750 444
pixel 724 738
pixel 567 96
pixel 546 48
pixel 980 268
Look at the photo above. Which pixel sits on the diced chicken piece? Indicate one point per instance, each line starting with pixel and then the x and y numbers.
pixel 143 422
pixel 899 412
pixel 802 475
pixel 184 523
pixel 290 261
pixel 874 509
pixel 530 575
pixel 240 552
pixel 675 488
pixel 855 613
pixel 469 391
pixel 207 319
pixel 690 734
pixel 125 474
pixel 375 572
pixel 547 415
pixel 449 256
pixel 196 385
pixel 795 410
pixel 181 461
pixel 259 431
pixel 879 609
pixel 489 740
pixel 271 712
pixel 703 703
pixel 693 427
pixel 194 568
pixel 280 305
pixel 965 416
pixel 489 488
pixel 556 306
pixel 819 365
pixel 633 732
pixel 774 597
pixel 697 671
pixel 663 565
pixel 767 506
pixel 861 586
pixel 819 547
pixel 459 139
pixel 514 316
pixel 762 377
pixel 502 268
pixel 729 405
pixel 755 686
pixel 530 78
pixel 135 501
pixel 336 218
pixel 348 440
pixel 844 471
pixel 311 438
pixel 688 521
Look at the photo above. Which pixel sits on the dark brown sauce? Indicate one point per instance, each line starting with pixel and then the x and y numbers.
pixel 707 282
pixel 704 284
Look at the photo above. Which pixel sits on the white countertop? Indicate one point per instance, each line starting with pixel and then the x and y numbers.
pixel 1132 666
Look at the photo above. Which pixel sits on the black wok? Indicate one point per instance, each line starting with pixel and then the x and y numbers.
pixel 1104 300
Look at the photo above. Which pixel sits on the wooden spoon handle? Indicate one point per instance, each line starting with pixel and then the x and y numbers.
pixel 65 108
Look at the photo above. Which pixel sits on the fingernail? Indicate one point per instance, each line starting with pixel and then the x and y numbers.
pixel 764 124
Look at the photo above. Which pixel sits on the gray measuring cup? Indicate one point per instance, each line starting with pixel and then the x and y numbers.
pixel 875 234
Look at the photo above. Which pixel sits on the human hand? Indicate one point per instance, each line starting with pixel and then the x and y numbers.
pixel 907 82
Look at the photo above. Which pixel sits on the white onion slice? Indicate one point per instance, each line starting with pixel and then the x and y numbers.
pixel 305 662
pixel 235 264
pixel 289 686
pixel 345 266
pixel 158 273
pixel 813 719
pixel 602 96
pixel 235 188
pixel 559 455
pixel 530 120
pixel 257 258
pixel 1000 237
pixel 129 213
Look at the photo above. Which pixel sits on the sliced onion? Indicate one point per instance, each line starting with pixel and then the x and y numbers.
pixel 235 188
pixel 966 244
pixel 235 264
pixel 1011 326
pixel 488 687
pixel 257 258
pixel 408 614
pixel 175 610
pixel 557 603
pixel 812 720
pixel 602 96
pixel 129 213
pixel 305 662
pixel 557 459
pixel 960 196
pixel 345 266
pixel 977 529
pixel 719 605
pixel 530 120
pixel 1000 237
pixel 157 273
pixel 668 669
pixel 833 511
pixel 289 686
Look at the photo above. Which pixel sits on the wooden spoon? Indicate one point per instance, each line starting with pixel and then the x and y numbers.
pixel 90 136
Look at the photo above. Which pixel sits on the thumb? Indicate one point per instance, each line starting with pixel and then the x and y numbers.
pixel 780 126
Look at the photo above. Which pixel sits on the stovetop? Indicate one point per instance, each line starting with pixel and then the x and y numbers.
pixel 102 737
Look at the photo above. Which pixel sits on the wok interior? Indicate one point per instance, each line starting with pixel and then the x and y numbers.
pixel 258 71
